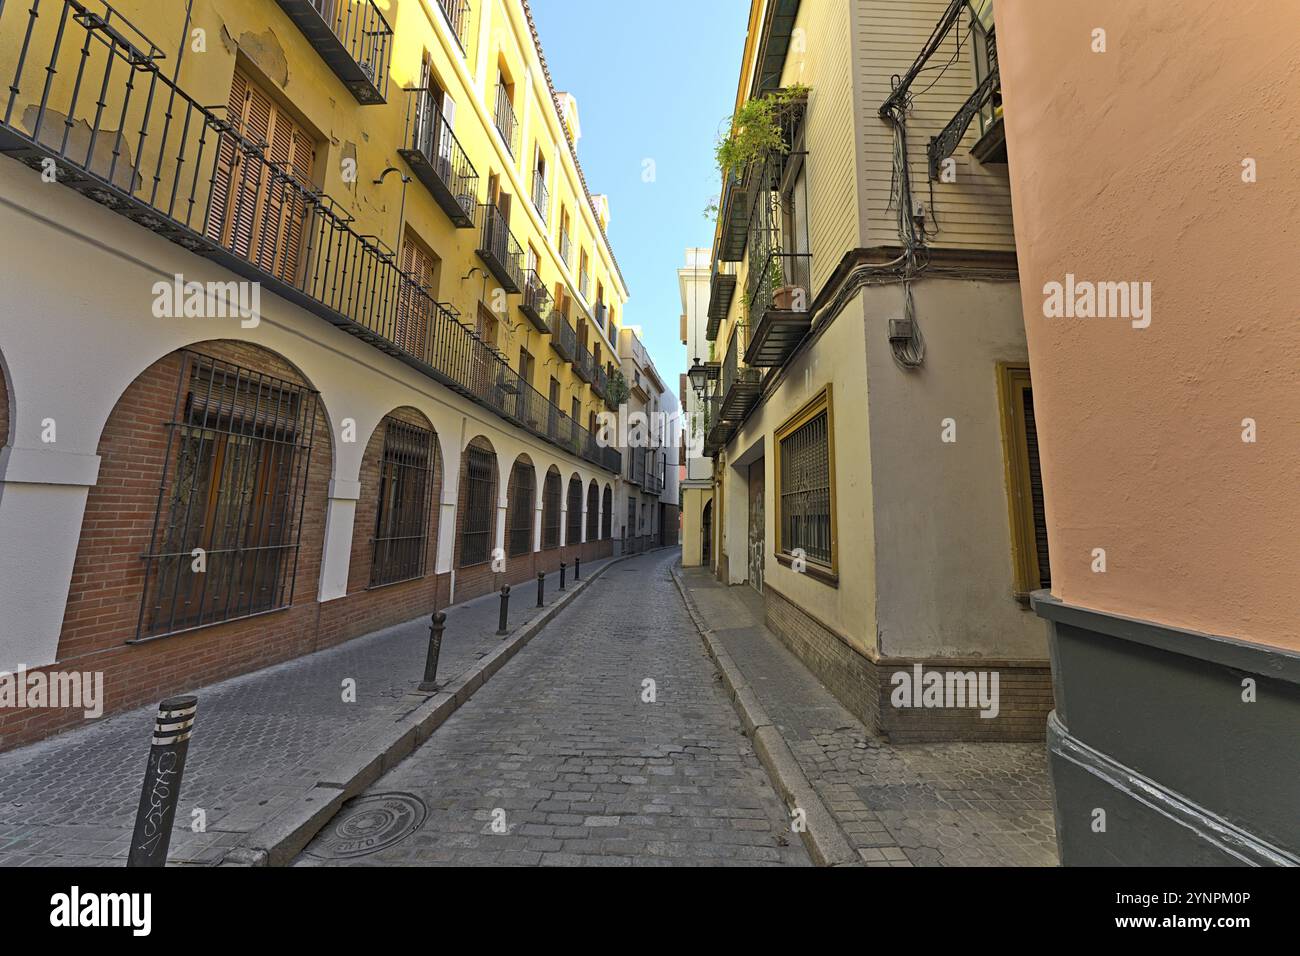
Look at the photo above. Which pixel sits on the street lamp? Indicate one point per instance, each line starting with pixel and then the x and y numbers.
pixel 699 374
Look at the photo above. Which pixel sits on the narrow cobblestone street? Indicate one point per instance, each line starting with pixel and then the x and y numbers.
pixel 558 760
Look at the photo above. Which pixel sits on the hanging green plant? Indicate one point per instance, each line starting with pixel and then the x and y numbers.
pixel 756 131
pixel 617 390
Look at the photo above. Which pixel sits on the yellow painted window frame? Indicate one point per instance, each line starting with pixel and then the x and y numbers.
pixel 821 402
pixel 1013 379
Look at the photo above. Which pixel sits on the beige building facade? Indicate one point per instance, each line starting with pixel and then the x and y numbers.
pixel 875 469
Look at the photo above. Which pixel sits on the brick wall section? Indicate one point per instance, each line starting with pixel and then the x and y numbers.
pixel 108 574
pixel 864 686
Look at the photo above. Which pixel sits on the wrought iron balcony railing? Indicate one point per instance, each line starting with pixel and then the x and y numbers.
pixel 600 315
pixel 437 159
pixel 566 246
pixel 584 285
pixel 722 289
pixel 584 365
pixel 741 385
pixel 457 14
pixel 600 381
pixel 500 250
pixel 541 197
pixel 564 338
pixel 506 122
pixel 353 39
pixel 780 307
pixel 536 305
pixel 178 169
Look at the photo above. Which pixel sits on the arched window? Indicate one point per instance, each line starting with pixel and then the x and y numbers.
pixel 606 514
pixel 519 522
pixel 551 510
pixel 593 512
pixel 477 502
pixel 573 530
pixel 405 501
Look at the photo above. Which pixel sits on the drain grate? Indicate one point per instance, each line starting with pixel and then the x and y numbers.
pixel 368 824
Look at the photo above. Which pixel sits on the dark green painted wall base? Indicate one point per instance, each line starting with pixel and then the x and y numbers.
pixel 1153 736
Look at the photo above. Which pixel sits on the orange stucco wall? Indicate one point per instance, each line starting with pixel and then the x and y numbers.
pixel 1127 166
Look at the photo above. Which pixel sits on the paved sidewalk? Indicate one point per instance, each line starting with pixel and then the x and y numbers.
pixel 956 804
pixel 260 741
pixel 562 760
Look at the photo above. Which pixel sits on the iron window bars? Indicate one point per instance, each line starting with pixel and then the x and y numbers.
pixel 541 196
pixel 806 490
pixel 406 477
pixel 551 511
pixel 573 527
pixel 520 523
pixel 169 178
pixel 478 506
pixel 506 122
pixel 228 520
pixel 593 513
pixel 606 514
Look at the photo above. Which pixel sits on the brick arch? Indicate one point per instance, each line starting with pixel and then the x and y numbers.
pixel 240 415
pixel 476 518
pixel 521 508
pixel 552 499
pixel 607 513
pixel 573 501
pixel 389 464
pixel 593 511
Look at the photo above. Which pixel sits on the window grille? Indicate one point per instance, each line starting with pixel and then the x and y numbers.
pixel 606 518
pixel 478 505
pixel 521 509
pixel 593 513
pixel 806 490
pixel 573 531
pixel 406 476
pixel 228 523
pixel 551 511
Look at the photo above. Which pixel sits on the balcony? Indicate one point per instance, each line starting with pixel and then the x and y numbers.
pixel 722 289
pixel 438 161
pixel 584 285
pixel 600 381
pixel 741 385
pixel 780 307
pixel 537 302
pixel 600 315
pixel 651 481
pixel 584 365
pixel 506 122
pixel 351 36
pixel 500 250
pixel 183 172
pixel 457 14
pixel 566 246
pixel 563 337
pixel 541 198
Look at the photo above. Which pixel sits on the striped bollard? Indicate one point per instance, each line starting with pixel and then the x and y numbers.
pixel 162 781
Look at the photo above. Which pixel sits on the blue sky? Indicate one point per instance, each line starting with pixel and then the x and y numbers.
pixel 653 81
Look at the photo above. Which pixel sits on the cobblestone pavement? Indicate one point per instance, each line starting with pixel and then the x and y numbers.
pixel 258 743
pixel 957 804
pixel 558 760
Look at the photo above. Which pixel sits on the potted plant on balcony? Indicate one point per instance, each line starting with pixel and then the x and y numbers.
pixel 617 391
pixel 782 293
pixel 756 131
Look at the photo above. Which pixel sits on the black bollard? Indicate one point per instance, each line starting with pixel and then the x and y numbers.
pixel 577 568
pixel 541 587
pixel 505 610
pixel 162 781
pixel 430 682
pixel 561 575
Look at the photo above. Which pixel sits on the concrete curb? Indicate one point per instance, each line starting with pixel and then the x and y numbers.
pixel 277 841
pixel 822 836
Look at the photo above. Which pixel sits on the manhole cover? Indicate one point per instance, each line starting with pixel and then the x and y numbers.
pixel 369 824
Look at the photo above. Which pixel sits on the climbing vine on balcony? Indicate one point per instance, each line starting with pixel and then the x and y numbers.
pixel 756 131
pixel 617 390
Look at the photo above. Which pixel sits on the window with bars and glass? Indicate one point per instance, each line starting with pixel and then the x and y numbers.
pixel 573 527
pixel 406 478
pixel 606 515
pixel 1030 561
pixel 551 511
pixel 477 505
pixel 228 525
pixel 593 512
pixel 519 526
pixel 805 491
